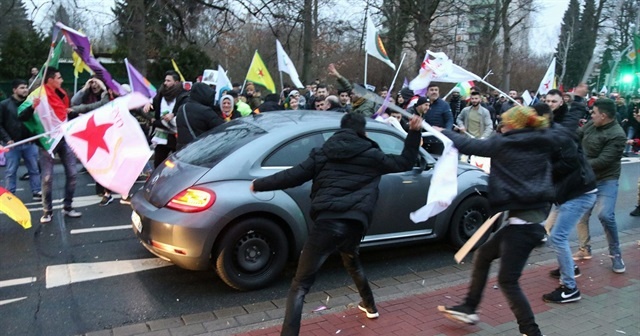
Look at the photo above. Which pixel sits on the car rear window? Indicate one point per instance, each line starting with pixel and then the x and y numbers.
pixel 213 146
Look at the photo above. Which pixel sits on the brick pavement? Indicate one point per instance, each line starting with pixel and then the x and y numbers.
pixel 610 305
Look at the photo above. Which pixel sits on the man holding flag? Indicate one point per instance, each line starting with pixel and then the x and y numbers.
pixel 55 102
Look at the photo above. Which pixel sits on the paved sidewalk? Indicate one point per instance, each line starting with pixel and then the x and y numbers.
pixel 610 304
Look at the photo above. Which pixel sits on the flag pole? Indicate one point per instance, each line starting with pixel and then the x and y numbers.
pixel 46 64
pixel 366 58
pixel 450 91
pixel 281 82
pixel 35 137
pixel 393 83
pixel 250 65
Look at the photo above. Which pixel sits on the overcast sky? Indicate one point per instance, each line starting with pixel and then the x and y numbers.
pixel 543 36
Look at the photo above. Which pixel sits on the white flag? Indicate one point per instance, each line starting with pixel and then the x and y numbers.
pixel 604 90
pixel 526 97
pixel 110 143
pixel 285 65
pixel 374 46
pixel 549 79
pixel 437 67
pixel 222 83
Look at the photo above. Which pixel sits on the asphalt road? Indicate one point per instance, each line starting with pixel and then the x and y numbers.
pixel 66 278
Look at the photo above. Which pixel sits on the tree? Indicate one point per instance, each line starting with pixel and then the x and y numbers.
pixel 582 50
pixel 13 15
pixel 21 52
pixel 568 33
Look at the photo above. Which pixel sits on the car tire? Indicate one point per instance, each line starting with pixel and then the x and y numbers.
pixel 251 254
pixel 467 218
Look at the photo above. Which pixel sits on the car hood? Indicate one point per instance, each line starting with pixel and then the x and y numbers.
pixel 169 179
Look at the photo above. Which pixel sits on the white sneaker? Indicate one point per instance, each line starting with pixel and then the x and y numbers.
pixel 46 218
pixel 72 213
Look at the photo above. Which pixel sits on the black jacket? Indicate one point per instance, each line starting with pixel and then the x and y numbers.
pixel 10 127
pixel 569 117
pixel 521 171
pixel 199 113
pixel 572 174
pixel 180 99
pixel 346 171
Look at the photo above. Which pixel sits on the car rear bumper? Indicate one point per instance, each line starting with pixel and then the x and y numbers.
pixel 169 235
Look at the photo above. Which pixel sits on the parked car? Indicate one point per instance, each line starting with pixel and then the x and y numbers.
pixel 196 209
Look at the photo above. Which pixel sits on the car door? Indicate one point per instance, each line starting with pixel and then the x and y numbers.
pixel 290 154
pixel 399 195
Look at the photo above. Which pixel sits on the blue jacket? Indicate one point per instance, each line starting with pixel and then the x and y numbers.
pixel 439 114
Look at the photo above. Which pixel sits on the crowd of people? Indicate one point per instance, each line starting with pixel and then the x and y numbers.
pixel 564 150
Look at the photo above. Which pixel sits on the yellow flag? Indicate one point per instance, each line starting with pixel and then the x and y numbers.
pixel 79 66
pixel 259 74
pixel 175 67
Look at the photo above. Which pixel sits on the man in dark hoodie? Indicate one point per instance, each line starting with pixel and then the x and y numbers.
pixel 270 104
pixel 196 116
pixel 345 173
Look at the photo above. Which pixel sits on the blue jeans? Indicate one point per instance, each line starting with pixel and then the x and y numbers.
pixel 46 164
pixel 29 153
pixel 512 244
pixel 568 215
pixel 327 237
pixel 605 208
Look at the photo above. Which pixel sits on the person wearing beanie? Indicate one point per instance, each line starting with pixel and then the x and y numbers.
pixel 253 96
pixel 603 141
pixel 456 103
pixel 421 107
pixel 270 104
pixel 345 172
pixel 521 184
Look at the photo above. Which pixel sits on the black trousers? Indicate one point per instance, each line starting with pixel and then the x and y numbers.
pixel 512 244
pixel 327 237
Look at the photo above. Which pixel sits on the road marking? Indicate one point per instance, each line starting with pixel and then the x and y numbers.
pixel 4 302
pixel 62 275
pixel 98 229
pixel 15 282
pixel 626 160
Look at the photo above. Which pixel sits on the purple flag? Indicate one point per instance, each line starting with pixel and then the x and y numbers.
pixel 138 82
pixel 80 44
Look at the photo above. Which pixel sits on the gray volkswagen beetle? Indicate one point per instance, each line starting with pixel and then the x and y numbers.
pixel 196 209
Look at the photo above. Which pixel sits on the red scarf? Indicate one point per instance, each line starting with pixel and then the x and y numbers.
pixel 58 101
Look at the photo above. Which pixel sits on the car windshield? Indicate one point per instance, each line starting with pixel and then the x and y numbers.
pixel 215 145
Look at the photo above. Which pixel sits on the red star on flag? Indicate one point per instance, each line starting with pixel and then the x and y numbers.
pixel 546 85
pixel 94 136
pixel 260 73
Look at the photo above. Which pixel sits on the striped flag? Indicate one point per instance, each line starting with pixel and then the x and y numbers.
pixel 465 89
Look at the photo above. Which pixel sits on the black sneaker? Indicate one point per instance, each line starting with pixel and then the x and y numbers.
pixel 460 313
pixel 37 196
pixel 24 177
pixel 562 294
pixel 371 312
pixel 635 212
pixel 556 272
pixel 106 199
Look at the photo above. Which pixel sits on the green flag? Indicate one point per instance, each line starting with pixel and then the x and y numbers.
pixel 55 58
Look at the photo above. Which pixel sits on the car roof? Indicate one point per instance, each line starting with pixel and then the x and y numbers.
pixel 302 119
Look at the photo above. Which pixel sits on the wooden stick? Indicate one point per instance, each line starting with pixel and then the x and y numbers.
pixel 464 250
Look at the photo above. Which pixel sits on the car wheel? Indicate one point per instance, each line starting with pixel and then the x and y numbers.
pixel 467 218
pixel 251 254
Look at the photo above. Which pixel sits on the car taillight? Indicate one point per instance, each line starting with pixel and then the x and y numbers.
pixel 192 200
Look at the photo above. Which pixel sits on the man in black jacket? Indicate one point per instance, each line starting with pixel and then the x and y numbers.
pixel 345 171
pixel 575 185
pixel 165 105
pixel 13 130
pixel 196 116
